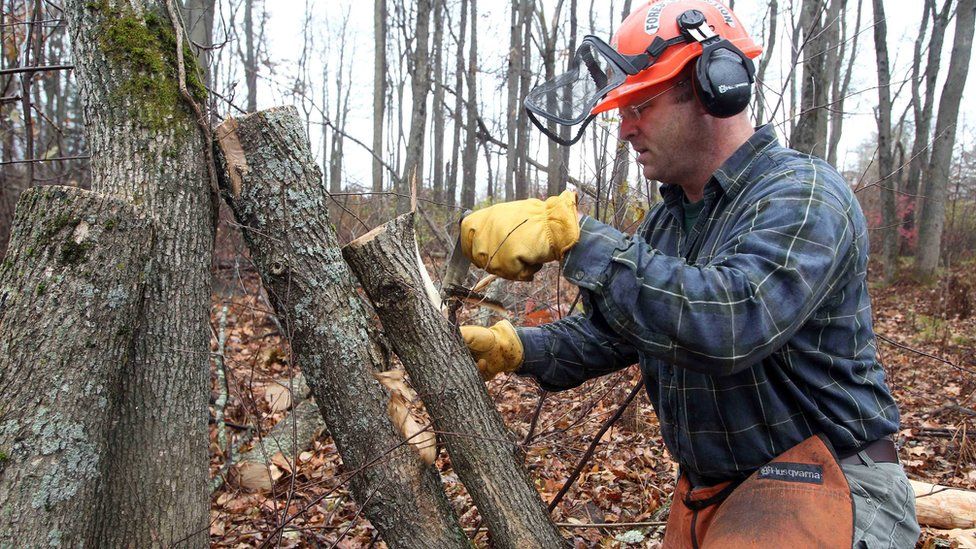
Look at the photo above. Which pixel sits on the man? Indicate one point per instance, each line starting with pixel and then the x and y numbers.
pixel 742 296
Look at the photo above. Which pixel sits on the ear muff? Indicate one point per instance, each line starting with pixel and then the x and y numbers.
pixel 723 79
pixel 723 74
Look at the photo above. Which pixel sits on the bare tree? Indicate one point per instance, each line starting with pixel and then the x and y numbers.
pixel 889 212
pixel 841 83
pixel 548 35
pixel 439 75
pixel 458 105
pixel 379 88
pixel 818 25
pixel 924 106
pixel 199 19
pixel 250 56
pixel 526 9
pixel 469 163
pixel 514 106
pixel 770 45
pixel 413 168
pixel 937 173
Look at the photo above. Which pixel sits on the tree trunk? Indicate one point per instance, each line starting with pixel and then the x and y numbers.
pixel 887 183
pixel 250 57
pixel 458 105
pixel 526 9
pixel 937 173
pixel 147 147
pixel 841 85
pixel 70 288
pixel 279 199
pixel 199 16
pixel 515 54
pixel 770 46
pixel 469 162
pixel 442 371
pixel 810 134
pixel 438 73
pixel 921 152
pixel 379 89
pixel 413 167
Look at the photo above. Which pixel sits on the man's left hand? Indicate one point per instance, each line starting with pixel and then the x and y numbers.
pixel 515 239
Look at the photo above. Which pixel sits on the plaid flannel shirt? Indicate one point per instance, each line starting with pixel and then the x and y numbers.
pixel 753 332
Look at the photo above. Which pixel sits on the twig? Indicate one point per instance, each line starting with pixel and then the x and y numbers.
pixel 352 521
pixel 923 353
pixel 48 68
pixel 221 402
pixel 596 440
pixel 535 417
pixel 610 524
pixel 57 159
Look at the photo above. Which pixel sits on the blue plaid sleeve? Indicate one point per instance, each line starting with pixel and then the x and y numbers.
pixel 787 252
pixel 563 354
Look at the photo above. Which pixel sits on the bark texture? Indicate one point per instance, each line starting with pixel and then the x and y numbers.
pixel 69 289
pixel 937 174
pixel 413 169
pixel 886 163
pixel 282 208
pixel 486 459
pixel 818 25
pixel 148 148
pixel 379 89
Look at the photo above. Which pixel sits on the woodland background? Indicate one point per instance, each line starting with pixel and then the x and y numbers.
pixel 426 94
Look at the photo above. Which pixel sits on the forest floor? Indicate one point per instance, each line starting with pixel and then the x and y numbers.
pixel 927 343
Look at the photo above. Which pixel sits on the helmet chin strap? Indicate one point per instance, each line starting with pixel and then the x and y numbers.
pixel 556 138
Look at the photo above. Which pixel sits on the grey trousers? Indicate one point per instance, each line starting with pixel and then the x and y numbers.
pixel 884 505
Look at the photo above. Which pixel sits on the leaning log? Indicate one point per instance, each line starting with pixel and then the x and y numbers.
pixel 484 455
pixel 70 289
pixel 277 194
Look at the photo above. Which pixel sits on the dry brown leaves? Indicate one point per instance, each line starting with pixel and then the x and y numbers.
pixel 630 477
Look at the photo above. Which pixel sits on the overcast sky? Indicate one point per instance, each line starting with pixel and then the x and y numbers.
pixel 284 35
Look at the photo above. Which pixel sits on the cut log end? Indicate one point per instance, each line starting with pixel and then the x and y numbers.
pixel 368 237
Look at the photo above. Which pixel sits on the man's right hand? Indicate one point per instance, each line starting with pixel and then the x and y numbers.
pixel 515 239
pixel 496 349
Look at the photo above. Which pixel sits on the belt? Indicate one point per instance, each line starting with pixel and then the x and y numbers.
pixel 882 451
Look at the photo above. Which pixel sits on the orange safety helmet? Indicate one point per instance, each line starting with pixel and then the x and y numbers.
pixel 659 19
pixel 653 45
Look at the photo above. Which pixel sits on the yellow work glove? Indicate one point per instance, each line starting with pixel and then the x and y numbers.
pixel 514 239
pixel 496 349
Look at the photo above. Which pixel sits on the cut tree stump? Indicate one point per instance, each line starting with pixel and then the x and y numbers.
pixel 277 194
pixel 71 288
pixel 484 455
pixel 942 507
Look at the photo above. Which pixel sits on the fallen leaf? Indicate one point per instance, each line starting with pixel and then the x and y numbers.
pixel 423 441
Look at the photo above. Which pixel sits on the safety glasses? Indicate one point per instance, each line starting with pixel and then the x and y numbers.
pixel 632 113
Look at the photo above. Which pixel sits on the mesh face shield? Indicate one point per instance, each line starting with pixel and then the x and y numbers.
pixel 568 98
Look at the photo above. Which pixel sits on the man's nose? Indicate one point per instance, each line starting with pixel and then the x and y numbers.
pixel 626 130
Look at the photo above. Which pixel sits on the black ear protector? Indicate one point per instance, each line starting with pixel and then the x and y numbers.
pixel 723 75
